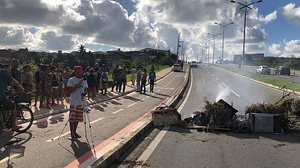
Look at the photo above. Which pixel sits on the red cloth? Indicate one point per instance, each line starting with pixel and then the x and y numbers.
pixel 92 89
pixel 78 69
pixel 76 114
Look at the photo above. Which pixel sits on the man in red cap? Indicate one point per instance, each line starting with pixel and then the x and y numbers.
pixel 77 87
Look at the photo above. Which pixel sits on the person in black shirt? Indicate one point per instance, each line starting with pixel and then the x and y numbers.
pixel 92 82
pixel 115 78
pixel 15 72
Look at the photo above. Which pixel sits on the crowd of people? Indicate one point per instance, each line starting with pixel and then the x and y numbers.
pixel 49 82
pixel 52 83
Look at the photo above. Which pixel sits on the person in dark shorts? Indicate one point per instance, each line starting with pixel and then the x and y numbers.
pixel 115 78
pixel 144 80
pixel 152 77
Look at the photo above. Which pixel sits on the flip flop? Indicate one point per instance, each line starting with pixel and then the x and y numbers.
pixel 77 136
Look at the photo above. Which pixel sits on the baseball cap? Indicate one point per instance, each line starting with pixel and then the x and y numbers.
pixel 78 69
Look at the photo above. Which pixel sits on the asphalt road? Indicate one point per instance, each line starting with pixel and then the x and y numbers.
pixel 178 147
pixel 40 147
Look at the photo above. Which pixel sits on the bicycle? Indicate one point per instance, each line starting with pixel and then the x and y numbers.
pixel 24 113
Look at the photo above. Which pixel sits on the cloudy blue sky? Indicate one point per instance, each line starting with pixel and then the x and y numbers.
pixel 101 25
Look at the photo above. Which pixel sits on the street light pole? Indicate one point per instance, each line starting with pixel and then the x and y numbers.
pixel 245 6
pixel 214 37
pixel 223 32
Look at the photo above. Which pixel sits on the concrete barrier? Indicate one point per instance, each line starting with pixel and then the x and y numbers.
pixel 145 125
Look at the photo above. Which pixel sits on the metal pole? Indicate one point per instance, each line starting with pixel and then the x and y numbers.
pixel 244 40
pixel 223 46
pixel 178 44
pixel 214 51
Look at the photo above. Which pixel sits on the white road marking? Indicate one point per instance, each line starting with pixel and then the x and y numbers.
pixel 217 78
pixel 187 96
pixel 66 133
pixel 147 97
pixel 153 145
pixel 146 154
pixel 223 83
pixel 132 104
pixel 99 119
pixel 11 156
pixel 143 99
pixel 115 112
pixel 235 93
pixel 56 138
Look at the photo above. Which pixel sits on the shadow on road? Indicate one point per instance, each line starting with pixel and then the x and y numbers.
pixel 115 102
pixel 56 119
pixel 98 107
pixel 155 97
pixel 131 98
pixel 80 148
pixel 12 146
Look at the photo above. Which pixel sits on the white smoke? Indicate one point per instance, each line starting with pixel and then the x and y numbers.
pixel 223 93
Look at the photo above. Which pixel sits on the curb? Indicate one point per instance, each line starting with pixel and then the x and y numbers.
pixel 259 82
pixel 114 154
pixel 41 116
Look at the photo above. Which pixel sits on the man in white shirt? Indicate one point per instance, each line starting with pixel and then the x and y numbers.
pixel 78 88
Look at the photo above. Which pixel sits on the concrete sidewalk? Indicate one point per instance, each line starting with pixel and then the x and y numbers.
pixel 64 105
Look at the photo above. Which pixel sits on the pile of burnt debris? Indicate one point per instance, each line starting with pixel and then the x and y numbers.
pixel 218 116
pixel 260 117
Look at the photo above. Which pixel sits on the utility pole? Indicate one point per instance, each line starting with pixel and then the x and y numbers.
pixel 223 26
pixel 178 45
pixel 245 6
pixel 214 37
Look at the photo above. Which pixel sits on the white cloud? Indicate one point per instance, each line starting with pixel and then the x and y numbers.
pixel 292 13
pixel 287 49
pixel 154 23
pixel 275 49
pixel 53 41
pixel 269 18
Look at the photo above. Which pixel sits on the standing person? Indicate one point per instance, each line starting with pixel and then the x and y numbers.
pixel 144 80
pixel 66 77
pixel 104 80
pixel 45 85
pixel 59 71
pixel 27 78
pixel 123 79
pixel 92 82
pixel 54 85
pixel 98 78
pixel 6 79
pixel 77 87
pixel 138 79
pixel 133 74
pixel 152 78
pixel 15 72
pixel 114 77
pixel 37 84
